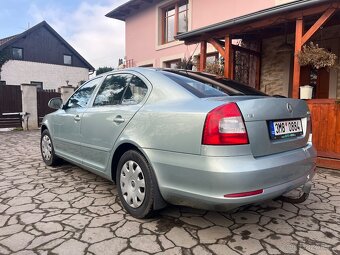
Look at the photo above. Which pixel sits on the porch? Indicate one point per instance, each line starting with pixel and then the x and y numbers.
pixel 261 49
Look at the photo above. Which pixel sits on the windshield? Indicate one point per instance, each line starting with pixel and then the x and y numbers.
pixel 205 85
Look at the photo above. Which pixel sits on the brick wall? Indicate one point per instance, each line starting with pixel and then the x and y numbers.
pixel 276 68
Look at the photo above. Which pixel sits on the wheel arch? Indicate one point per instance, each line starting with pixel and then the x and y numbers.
pixel 46 124
pixel 119 151
pixel 43 128
pixel 159 202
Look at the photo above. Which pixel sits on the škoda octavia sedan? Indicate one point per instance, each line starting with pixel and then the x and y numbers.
pixel 182 137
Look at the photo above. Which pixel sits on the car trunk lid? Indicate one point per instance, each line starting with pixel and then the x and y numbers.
pixel 258 113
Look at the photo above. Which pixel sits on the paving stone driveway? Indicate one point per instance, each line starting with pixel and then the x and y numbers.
pixel 68 210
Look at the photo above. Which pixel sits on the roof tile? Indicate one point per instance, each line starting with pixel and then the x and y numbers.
pixel 6 39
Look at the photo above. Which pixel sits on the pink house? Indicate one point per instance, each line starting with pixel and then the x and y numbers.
pixel 152 24
pixel 260 42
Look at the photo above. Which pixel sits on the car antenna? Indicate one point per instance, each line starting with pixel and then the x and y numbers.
pixel 189 59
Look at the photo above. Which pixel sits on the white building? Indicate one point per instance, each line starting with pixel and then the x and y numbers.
pixel 41 56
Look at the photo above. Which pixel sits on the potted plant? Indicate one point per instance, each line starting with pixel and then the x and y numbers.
pixel 316 57
pixel 312 55
pixel 184 64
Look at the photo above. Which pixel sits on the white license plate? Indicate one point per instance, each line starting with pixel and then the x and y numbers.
pixel 285 129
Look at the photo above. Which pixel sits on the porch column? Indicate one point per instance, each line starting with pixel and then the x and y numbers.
pixel 66 92
pixel 298 46
pixel 227 58
pixel 203 56
pixel 301 39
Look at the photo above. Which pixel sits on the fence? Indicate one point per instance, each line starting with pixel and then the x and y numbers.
pixel 326 131
pixel 43 97
pixel 27 104
pixel 10 102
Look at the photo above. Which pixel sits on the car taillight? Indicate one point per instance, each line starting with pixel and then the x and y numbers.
pixel 224 126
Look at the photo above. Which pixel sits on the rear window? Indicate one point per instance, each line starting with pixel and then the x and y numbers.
pixel 205 85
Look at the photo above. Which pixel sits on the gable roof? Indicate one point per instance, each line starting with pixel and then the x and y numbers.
pixel 5 42
pixel 130 7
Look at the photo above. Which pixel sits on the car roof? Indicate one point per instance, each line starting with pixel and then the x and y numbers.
pixel 156 75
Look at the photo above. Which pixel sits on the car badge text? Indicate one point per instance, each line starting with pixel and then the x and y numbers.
pixel 289 107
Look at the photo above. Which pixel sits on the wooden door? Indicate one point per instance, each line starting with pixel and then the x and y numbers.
pixel 322 87
pixel 10 102
pixel 305 75
pixel 319 79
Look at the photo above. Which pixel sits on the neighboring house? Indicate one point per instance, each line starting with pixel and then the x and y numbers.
pixel 41 56
pixel 152 25
pixel 260 42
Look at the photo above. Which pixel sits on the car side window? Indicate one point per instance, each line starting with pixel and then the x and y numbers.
pixel 112 89
pixel 82 96
pixel 135 92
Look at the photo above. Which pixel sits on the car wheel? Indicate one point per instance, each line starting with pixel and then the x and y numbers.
pixel 137 188
pixel 47 149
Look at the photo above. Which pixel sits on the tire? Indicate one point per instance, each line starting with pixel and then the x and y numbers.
pixel 47 149
pixel 136 184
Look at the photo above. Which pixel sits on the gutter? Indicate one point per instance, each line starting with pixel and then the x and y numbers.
pixel 251 17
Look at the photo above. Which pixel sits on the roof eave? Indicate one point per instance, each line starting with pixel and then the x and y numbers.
pixel 250 17
pixel 130 8
pixel 113 15
pixel 116 13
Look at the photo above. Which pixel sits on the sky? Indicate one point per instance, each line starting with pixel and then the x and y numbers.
pixel 82 23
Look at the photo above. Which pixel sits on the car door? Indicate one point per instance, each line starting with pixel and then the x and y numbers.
pixel 118 99
pixel 68 121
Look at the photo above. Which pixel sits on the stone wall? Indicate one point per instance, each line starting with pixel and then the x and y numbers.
pixel 276 69
pixel 273 67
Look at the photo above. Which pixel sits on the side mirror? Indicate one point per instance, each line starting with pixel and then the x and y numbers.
pixel 55 103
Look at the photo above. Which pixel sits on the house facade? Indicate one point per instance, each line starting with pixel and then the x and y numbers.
pixel 260 49
pixel 151 26
pixel 40 56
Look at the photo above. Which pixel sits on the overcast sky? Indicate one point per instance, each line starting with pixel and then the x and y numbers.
pixel 100 40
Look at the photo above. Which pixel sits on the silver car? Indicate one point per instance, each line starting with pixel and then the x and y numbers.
pixel 182 137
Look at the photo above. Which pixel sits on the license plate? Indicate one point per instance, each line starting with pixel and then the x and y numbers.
pixel 285 129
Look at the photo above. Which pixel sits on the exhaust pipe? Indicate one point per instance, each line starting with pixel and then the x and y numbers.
pixel 305 193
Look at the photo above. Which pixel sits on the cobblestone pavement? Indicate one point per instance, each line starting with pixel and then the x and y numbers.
pixel 68 210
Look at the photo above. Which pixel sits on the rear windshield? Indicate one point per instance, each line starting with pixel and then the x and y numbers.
pixel 205 85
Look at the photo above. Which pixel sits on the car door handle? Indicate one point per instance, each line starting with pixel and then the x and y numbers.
pixel 77 118
pixel 118 119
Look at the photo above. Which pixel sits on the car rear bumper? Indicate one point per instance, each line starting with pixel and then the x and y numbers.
pixel 202 181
